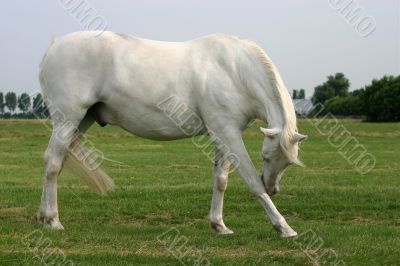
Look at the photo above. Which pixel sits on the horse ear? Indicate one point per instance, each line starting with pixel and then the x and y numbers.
pixel 270 132
pixel 299 137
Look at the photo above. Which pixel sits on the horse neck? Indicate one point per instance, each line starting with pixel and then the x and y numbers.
pixel 272 111
pixel 275 104
pixel 272 102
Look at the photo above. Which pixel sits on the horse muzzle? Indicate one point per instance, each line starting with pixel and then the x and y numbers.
pixel 270 190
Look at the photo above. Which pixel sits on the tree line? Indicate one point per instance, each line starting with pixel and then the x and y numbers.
pixel 29 106
pixel 377 102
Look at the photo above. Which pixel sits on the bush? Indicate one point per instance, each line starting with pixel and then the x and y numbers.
pixel 348 105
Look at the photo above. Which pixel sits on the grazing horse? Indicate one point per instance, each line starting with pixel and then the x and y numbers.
pixel 118 79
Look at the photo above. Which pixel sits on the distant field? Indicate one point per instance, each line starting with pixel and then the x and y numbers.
pixel 165 186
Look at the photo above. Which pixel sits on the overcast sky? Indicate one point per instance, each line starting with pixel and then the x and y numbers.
pixel 308 40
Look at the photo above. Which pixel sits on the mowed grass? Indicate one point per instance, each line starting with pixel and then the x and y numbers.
pixel 164 185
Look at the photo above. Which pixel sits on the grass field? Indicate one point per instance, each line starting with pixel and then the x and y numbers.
pixel 165 186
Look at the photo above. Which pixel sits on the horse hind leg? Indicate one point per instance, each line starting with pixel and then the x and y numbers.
pixel 220 175
pixel 63 134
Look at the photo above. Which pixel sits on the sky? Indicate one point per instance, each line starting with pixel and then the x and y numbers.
pixel 307 40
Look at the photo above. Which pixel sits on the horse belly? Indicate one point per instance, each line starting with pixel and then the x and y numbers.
pixel 152 122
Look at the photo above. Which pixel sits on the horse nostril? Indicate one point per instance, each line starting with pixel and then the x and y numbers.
pixel 273 191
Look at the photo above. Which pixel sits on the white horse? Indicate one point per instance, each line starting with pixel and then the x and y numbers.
pixel 121 80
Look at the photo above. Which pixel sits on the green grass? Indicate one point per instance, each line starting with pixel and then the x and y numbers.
pixel 164 185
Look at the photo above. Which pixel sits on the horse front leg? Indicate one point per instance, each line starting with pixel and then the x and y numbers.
pixel 220 176
pixel 230 142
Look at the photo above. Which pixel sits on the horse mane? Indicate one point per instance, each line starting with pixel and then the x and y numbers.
pixel 285 101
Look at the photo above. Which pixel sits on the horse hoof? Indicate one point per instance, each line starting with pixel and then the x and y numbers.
pixel 225 231
pixel 54 225
pixel 285 230
pixel 288 232
pixel 51 223
pixel 221 229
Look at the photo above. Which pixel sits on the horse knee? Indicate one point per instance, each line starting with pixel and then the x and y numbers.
pixel 52 164
pixel 222 182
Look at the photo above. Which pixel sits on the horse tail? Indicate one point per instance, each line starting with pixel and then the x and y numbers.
pixel 82 163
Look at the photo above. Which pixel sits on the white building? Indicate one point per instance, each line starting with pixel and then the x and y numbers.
pixel 302 106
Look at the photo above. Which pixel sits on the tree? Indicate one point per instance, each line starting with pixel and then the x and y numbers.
pixel 302 94
pixel 1 103
pixel 381 100
pixel 39 107
pixel 357 92
pixel 295 93
pixel 24 102
pixel 337 85
pixel 322 94
pixel 37 102
pixel 11 101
